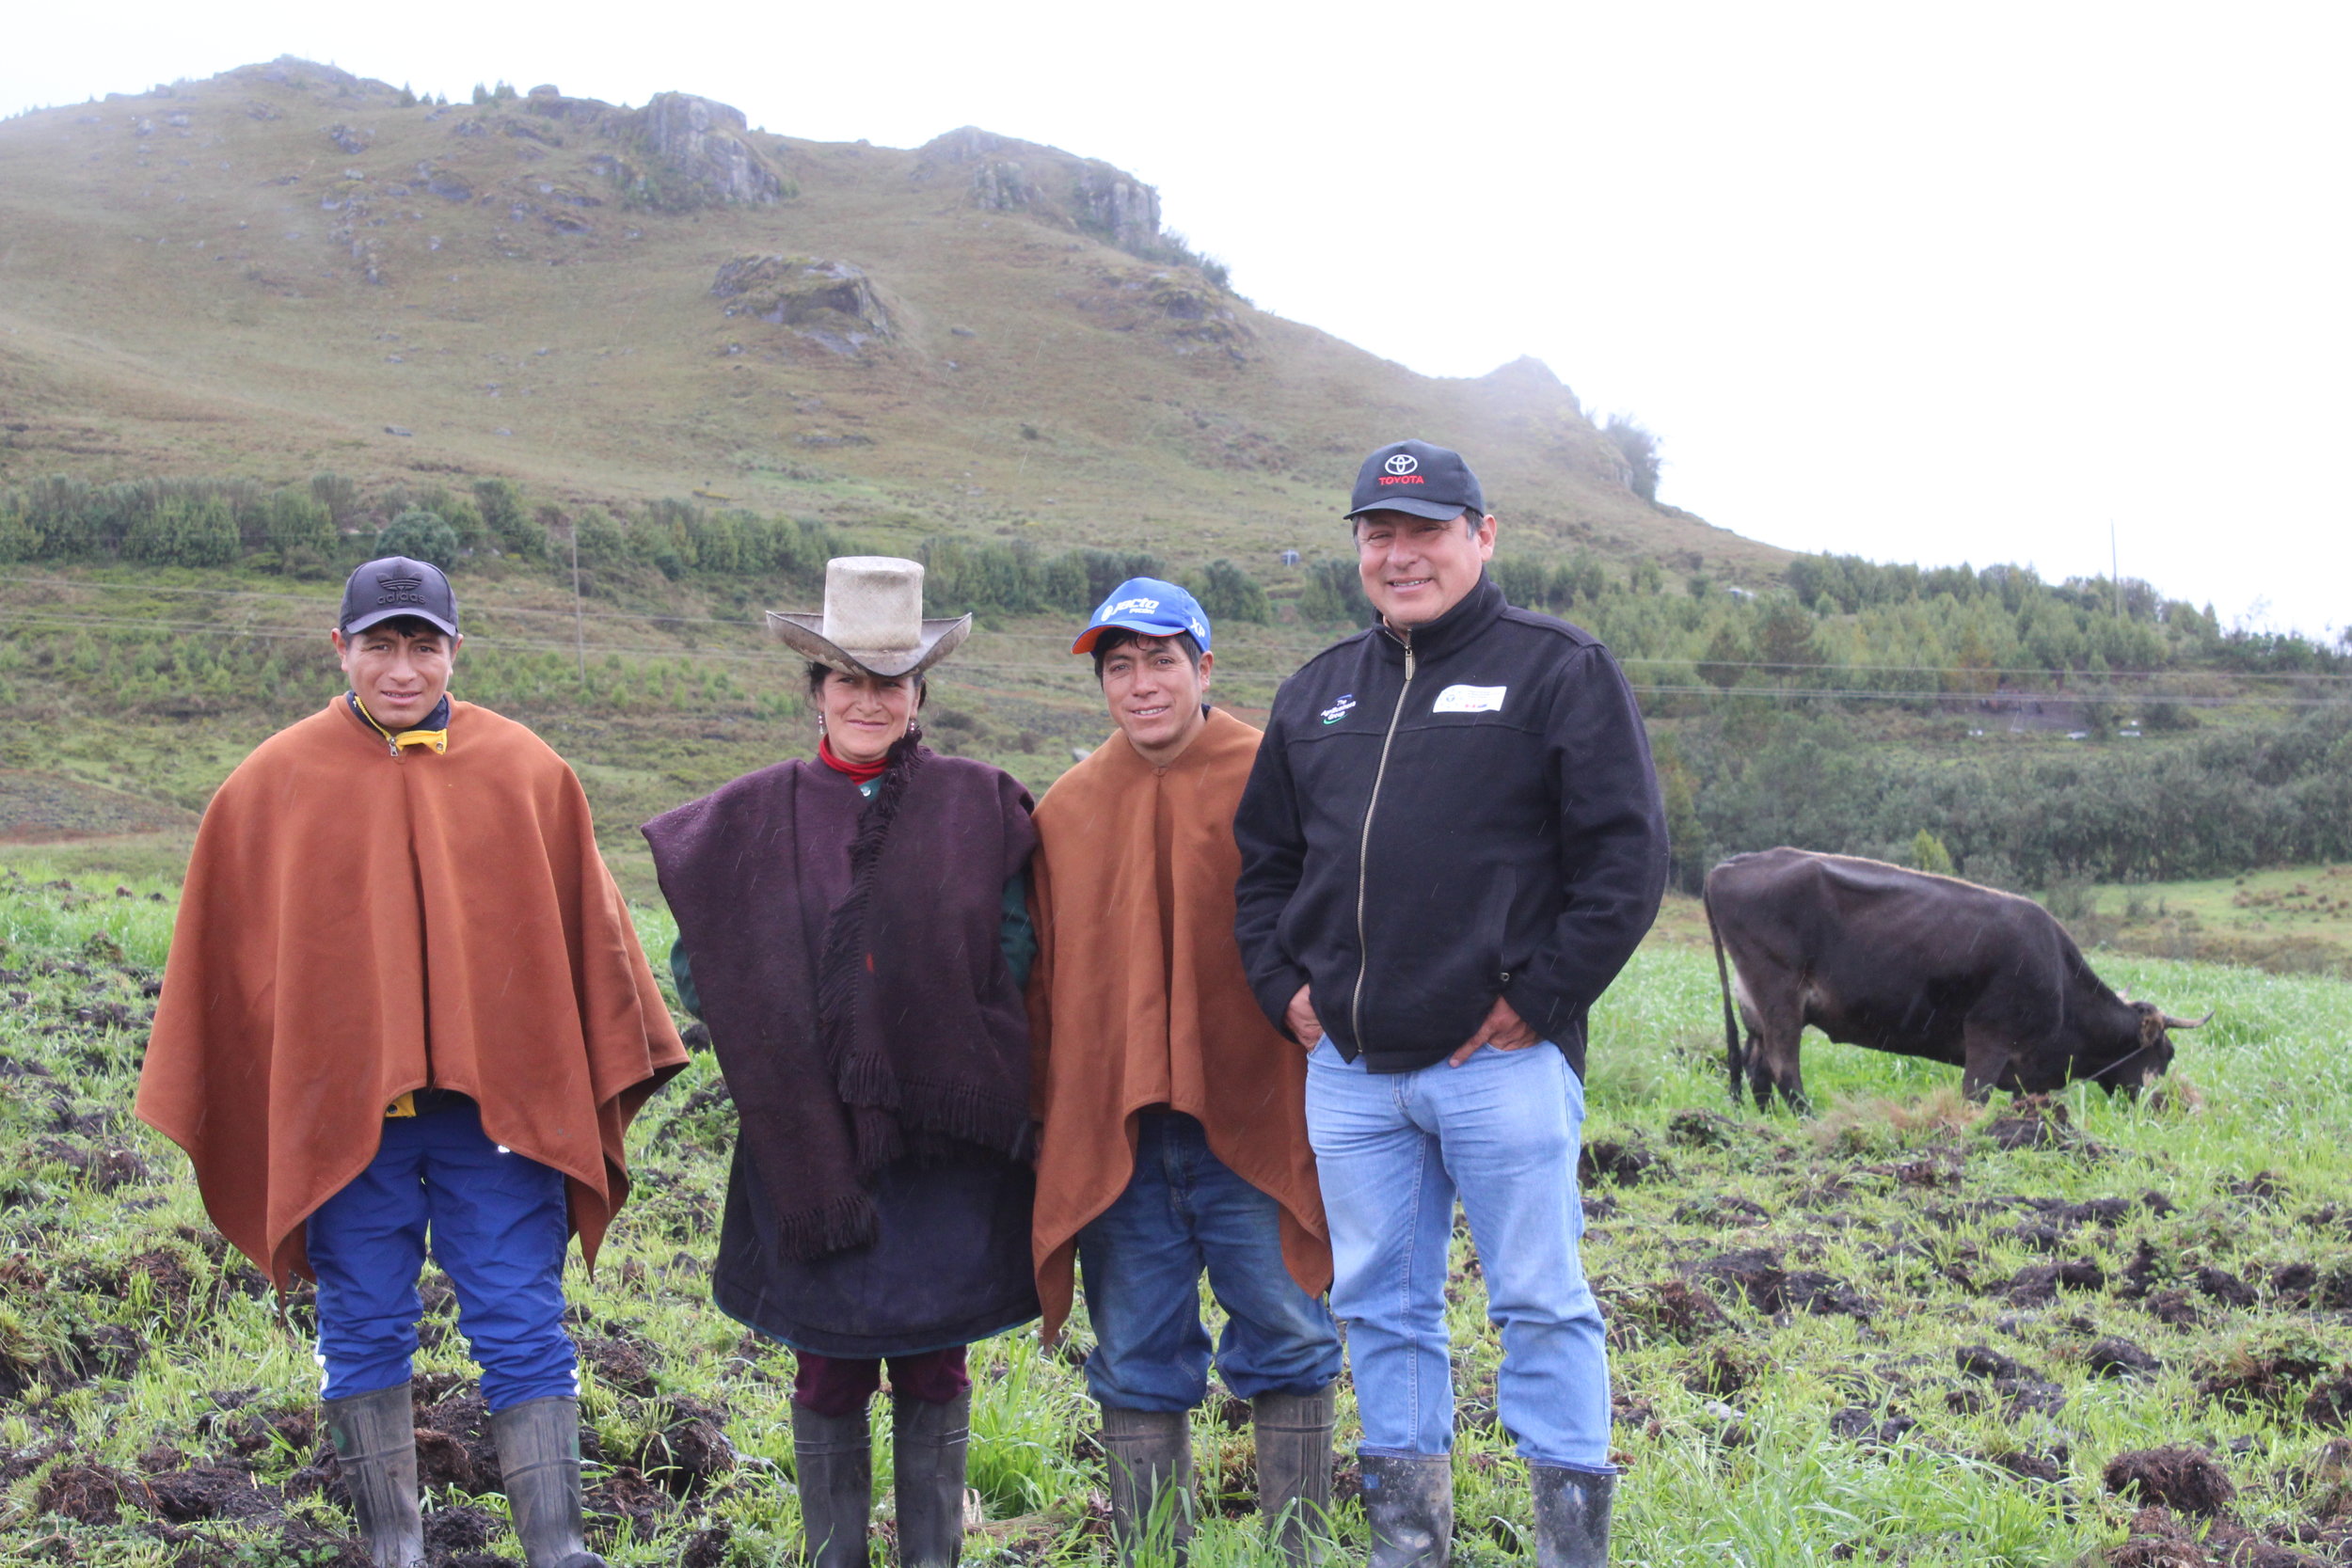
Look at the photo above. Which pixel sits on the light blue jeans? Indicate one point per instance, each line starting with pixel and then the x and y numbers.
pixel 1185 1211
pixel 1394 1152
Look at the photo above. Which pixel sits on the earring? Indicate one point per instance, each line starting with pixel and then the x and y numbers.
pixel 820 723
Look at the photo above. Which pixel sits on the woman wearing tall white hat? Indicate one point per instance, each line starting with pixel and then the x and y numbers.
pixel 853 930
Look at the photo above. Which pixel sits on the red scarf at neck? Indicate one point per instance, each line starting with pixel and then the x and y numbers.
pixel 860 772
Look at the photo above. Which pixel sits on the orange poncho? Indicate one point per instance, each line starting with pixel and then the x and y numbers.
pixel 1138 998
pixel 357 925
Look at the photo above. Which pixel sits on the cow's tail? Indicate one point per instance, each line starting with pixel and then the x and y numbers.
pixel 1734 1057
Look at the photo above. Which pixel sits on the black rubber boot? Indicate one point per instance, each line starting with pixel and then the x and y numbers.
pixel 375 1450
pixel 1571 1516
pixel 538 1443
pixel 1409 1505
pixel 833 1462
pixel 1293 1433
pixel 929 1444
pixel 1148 1454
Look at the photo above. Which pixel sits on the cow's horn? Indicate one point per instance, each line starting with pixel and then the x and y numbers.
pixel 2171 1022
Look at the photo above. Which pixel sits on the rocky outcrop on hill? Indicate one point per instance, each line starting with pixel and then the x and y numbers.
pixel 1005 174
pixel 696 155
pixel 1123 211
pixel 1172 305
pixel 829 302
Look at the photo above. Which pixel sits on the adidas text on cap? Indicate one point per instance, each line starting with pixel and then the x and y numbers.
pixel 395 586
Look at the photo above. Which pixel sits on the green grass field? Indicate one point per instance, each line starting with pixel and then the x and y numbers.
pixel 1908 1331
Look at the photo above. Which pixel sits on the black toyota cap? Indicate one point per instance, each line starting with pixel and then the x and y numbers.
pixel 1416 478
pixel 396 585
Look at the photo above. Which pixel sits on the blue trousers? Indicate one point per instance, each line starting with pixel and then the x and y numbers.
pixel 1141 1259
pixel 499 1228
pixel 1393 1150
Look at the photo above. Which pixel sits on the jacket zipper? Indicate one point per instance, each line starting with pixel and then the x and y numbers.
pixel 1363 850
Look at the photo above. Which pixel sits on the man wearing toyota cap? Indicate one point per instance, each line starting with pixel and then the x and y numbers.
pixel 404 1001
pixel 1451 842
pixel 1175 1136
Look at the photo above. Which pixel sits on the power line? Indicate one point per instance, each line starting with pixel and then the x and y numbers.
pixel 1997 701
pixel 1968 672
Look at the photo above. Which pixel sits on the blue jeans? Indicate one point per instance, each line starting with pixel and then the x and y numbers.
pixel 1184 1210
pixel 499 1226
pixel 1393 1150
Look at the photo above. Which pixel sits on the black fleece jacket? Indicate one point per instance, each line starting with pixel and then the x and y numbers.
pixel 1443 815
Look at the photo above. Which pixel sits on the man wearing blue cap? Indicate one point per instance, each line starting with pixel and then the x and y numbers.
pixel 1175 1136
pixel 1452 841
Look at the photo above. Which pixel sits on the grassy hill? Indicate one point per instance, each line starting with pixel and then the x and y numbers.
pixel 285 268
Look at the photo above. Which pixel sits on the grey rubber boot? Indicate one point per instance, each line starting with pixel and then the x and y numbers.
pixel 1293 1434
pixel 1409 1505
pixel 538 1443
pixel 833 1462
pixel 375 1450
pixel 929 1443
pixel 1571 1516
pixel 1148 1454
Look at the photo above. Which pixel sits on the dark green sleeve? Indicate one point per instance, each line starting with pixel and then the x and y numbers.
pixel 691 999
pixel 1015 932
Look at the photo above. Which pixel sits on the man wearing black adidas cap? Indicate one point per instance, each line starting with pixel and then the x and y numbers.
pixel 405 1008
pixel 1452 841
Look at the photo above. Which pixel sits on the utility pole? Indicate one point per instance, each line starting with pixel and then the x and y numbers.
pixel 580 625
pixel 2115 571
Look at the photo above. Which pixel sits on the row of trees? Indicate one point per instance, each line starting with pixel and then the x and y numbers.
pixel 1840 623
pixel 1020 580
pixel 2262 793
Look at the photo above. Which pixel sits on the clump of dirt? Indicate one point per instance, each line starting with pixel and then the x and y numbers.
pixel 92 1494
pixel 2040 1285
pixel 1701 1129
pixel 1669 1309
pixel 688 1448
pixel 1859 1424
pixel 2225 1286
pixel 1627 1164
pixel 103 1170
pixel 627 1504
pixel 2328 1406
pixel 2114 1357
pixel 2177 1477
pixel 707 1547
pixel 2262 1190
pixel 2036 1121
pixel 2173 1307
pixel 2018 1388
pixel 2045 1469
pixel 444 1464
pixel 1986 1362
pixel 457 1529
pixel 2140 1275
pixel 1755 1275
pixel 1724 1370
pixel 2260 1375
pixel 1722 1210
pixel 212 1491
pixel 620 1365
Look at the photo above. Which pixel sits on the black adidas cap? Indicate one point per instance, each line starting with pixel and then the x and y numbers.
pixel 396 585
pixel 1416 478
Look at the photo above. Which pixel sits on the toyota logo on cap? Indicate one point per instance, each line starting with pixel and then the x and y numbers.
pixel 1403 462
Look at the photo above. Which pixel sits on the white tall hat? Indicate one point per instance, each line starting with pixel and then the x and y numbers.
pixel 873 621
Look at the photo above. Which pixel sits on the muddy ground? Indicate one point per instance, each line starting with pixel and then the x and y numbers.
pixel 2084 1332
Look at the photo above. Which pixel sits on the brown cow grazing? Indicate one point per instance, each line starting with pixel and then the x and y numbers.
pixel 1921 965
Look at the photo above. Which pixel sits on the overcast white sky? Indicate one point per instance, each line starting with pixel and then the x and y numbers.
pixel 1915 281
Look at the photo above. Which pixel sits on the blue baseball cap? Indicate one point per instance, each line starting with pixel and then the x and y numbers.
pixel 1148 606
